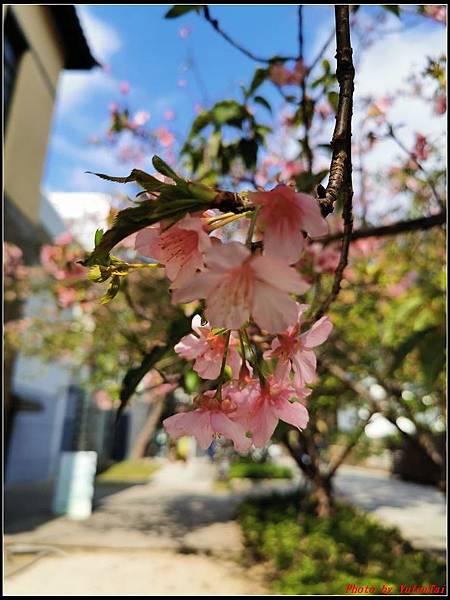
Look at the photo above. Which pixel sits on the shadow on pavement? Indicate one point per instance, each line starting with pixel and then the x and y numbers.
pixel 28 506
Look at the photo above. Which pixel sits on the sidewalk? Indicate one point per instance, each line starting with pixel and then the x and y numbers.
pixel 174 535
pixel 177 534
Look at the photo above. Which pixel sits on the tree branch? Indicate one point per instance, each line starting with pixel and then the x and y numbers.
pixel 341 140
pixel 340 180
pixel 420 224
pixel 216 26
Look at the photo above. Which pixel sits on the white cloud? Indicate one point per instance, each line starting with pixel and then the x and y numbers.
pixel 82 213
pixel 103 40
pixel 76 88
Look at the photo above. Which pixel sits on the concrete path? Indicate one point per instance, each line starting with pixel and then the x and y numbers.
pixel 419 511
pixel 177 536
pixel 174 535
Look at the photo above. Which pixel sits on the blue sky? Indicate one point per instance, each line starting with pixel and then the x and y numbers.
pixel 146 50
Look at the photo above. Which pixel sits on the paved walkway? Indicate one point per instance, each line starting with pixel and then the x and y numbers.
pixel 176 535
pixel 419 511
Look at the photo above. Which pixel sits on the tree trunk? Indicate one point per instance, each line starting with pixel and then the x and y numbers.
pixel 146 432
pixel 322 486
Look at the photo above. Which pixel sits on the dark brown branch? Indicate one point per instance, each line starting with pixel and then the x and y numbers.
pixel 216 26
pixel 341 140
pixel 340 180
pixel 420 224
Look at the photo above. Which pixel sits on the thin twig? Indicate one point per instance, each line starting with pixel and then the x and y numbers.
pixel 419 165
pixel 303 102
pixel 215 24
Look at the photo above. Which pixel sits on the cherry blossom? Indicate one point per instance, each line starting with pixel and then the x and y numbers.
pixel 207 349
pixel 238 284
pixel 295 351
pixel 284 215
pixel 272 402
pixel 210 419
pixel 179 248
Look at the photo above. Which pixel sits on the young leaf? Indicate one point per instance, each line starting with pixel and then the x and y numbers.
pixel 181 9
pixel 263 102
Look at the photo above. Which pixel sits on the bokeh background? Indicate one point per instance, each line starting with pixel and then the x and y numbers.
pixel 98 507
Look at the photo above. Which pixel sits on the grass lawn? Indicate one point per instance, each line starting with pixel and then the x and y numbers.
pixel 252 470
pixel 311 556
pixel 129 471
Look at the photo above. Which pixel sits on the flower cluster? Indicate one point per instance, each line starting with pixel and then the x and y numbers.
pixel 250 341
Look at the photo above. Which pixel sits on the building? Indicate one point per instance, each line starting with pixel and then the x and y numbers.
pixel 39 42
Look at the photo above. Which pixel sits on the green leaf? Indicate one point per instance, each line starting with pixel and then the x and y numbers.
pixel 263 102
pixel 181 9
pixel 146 181
pixel 98 236
pixel 191 381
pixel 112 291
pixel 258 78
pixel 163 168
pixel 248 149
pixel 307 182
pixel 229 112
pixel 333 99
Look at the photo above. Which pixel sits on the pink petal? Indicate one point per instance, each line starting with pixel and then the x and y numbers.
pixel 199 287
pixel 263 423
pixel 304 363
pixel 231 430
pixel 272 309
pixel 145 240
pixel 207 369
pixel 190 347
pixel 278 274
pixel 223 257
pixel 293 413
pixel 312 221
pixel 228 305
pixel 283 240
pixel 196 423
pixel 318 333
pixel 234 361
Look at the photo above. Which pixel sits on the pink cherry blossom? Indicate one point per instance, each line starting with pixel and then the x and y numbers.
pixel 325 258
pixel 271 403
pixel 169 115
pixel 124 87
pixel 141 118
pixel 284 215
pixel 295 351
pixel 180 248
pixel 211 418
pixel 237 285
pixel 207 349
pixel 440 106
pixel 165 137
pixel 421 147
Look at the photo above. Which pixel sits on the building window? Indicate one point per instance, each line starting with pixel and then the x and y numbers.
pixel 14 47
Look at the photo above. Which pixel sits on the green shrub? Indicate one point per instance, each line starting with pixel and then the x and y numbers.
pixel 311 556
pixel 253 470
